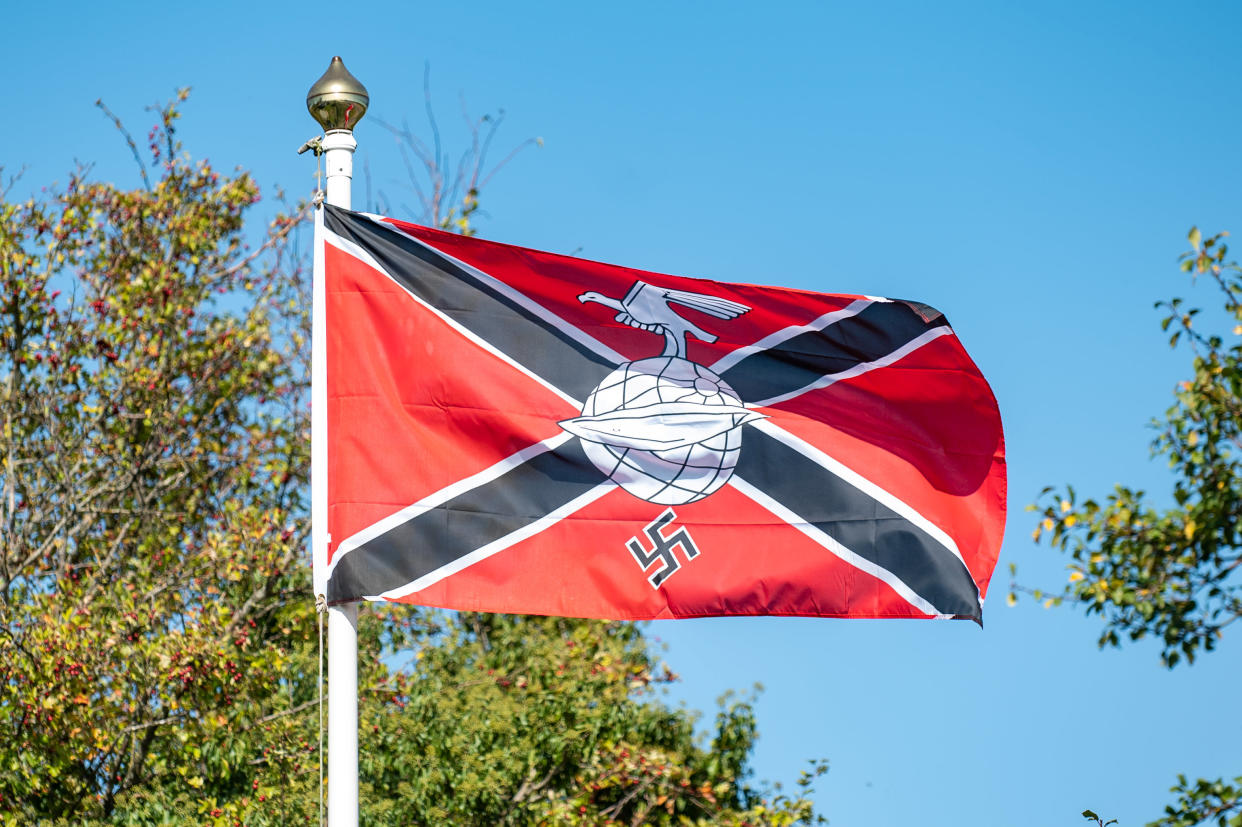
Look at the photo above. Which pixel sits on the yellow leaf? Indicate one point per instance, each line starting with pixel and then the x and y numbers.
pixel 1075 576
pixel 1065 506
pixel 1011 599
pixel 1049 603
pixel 1070 520
pixel 1048 524
pixel 195 782
pixel 1189 531
pixel 1237 330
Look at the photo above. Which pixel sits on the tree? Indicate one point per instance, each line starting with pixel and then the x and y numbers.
pixel 1173 573
pixel 159 632
pixel 154 467
pixel 447 194
pixel 528 720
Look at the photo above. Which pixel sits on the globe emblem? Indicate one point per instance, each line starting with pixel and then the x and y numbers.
pixel 665 429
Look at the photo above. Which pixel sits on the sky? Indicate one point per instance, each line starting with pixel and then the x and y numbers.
pixel 1030 169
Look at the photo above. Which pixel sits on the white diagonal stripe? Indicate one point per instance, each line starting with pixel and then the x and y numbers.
pixel 785 334
pixel 858 369
pixel 886 498
pixel 513 295
pixel 347 246
pixel 442 496
pixel 497 545
pixel 861 563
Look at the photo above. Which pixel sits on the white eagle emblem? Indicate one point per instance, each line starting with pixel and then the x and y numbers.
pixel 666 429
pixel 646 307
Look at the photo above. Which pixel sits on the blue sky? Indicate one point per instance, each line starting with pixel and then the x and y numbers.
pixel 1030 169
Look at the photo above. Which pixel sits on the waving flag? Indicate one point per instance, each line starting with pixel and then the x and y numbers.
pixel 517 431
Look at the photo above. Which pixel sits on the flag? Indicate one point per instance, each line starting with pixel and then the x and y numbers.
pixel 517 431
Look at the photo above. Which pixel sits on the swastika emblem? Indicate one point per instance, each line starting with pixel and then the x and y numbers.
pixel 662 548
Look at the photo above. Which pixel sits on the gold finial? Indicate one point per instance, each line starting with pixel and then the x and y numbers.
pixel 338 100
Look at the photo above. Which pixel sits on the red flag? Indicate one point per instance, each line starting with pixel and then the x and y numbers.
pixel 517 431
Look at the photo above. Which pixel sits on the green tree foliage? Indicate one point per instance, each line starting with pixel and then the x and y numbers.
pixel 153 457
pixel 1173 573
pixel 527 720
pixel 159 635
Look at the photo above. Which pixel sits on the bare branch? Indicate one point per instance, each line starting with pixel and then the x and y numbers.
pixel 129 139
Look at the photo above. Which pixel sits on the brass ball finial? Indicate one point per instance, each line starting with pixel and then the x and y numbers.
pixel 338 100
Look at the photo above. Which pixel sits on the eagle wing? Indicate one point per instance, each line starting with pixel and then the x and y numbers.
pixel 711 305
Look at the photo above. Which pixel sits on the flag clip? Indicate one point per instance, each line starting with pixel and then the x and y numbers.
pixel 315 143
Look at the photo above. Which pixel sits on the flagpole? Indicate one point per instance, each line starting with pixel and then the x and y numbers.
pixel 337 101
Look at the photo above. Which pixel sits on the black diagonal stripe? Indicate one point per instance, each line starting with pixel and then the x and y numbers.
pixel 535 343
pixel 866 527
pixel 795 363
pixel 469 521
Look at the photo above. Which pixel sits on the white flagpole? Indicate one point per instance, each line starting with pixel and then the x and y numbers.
pixel 343 619
pixel 337 101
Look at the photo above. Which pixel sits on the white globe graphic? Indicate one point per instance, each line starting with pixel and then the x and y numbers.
pixel 674 476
